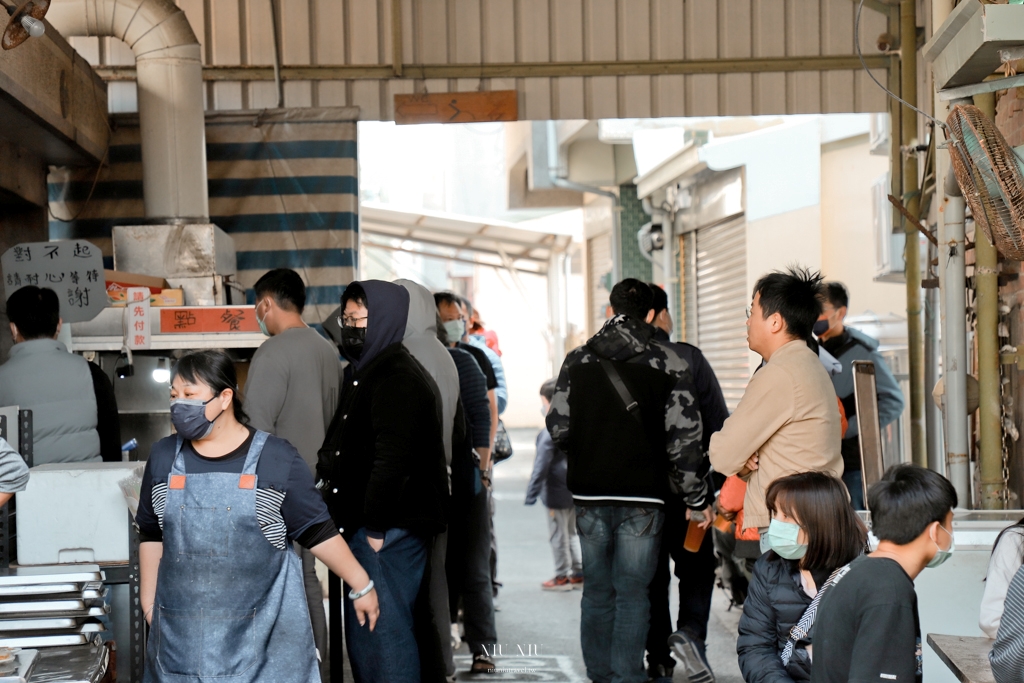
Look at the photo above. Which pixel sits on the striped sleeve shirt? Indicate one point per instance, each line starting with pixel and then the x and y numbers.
pixel 1007 656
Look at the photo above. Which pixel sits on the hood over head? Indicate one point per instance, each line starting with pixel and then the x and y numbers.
pixel 422 342
pixel 621 338
pixel 387 305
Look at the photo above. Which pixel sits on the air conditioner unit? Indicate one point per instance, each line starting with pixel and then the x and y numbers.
pixel 889 245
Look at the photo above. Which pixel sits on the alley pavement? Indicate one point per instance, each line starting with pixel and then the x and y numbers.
pixel 539 631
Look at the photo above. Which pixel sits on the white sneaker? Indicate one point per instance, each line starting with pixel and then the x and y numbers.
pixel 456 637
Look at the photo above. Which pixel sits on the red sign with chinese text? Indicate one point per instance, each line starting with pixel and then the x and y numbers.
pixel 193 320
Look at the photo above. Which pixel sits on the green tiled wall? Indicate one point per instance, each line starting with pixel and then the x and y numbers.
pixel 632 218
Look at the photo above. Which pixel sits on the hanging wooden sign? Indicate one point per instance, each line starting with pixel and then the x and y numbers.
pixel 457 107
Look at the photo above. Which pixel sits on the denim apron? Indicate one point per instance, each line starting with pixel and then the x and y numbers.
pixel 230 607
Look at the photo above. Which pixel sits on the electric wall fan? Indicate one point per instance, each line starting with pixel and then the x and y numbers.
pixel 991 176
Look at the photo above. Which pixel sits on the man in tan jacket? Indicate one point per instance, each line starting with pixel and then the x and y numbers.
pixel 788 420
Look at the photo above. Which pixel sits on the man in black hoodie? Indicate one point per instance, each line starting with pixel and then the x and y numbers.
pixel 383 474
pixel 625 411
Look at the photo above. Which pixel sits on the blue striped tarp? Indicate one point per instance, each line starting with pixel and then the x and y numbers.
pixel 286 189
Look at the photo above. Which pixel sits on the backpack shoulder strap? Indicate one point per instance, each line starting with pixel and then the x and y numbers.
pixel 632 407
pixel 802 630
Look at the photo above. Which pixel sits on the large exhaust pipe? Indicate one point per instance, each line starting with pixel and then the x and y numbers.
pixel 170 82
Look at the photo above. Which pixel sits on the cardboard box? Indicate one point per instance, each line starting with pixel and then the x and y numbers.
pixel 119 281
pixel 166 297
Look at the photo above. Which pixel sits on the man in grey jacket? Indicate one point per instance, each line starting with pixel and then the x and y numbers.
pixel 292 392
pixel 848 345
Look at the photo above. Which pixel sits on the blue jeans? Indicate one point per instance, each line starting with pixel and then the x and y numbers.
pixel 855 484
pixel 388 654
pixel 620 555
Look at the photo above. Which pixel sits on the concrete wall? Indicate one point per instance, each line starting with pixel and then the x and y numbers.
pixel 847 240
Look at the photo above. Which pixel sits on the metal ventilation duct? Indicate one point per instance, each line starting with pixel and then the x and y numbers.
pixel 170 84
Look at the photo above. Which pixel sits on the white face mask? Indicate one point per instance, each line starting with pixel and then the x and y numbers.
pixel 455 329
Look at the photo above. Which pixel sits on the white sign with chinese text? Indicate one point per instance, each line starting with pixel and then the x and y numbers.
pixel 72 268
pixel 138 327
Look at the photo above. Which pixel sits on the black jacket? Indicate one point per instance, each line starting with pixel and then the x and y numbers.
pixel 775 602
pixel 613 458
pixel 382 465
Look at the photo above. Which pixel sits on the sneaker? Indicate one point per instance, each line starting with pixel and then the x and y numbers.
pixel 559 583
pixel 456 637
pixel 658 673
pixel 691 657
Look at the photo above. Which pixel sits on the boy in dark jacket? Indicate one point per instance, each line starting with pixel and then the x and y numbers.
pixel 867 627
pixel 548 482
pixel 383 475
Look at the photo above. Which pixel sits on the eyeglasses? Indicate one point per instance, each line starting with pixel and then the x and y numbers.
pixel 748 312
pixel 348 321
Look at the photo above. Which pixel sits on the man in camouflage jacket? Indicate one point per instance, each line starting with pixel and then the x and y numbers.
pixel 623 463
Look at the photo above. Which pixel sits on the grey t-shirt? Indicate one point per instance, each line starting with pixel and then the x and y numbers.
pixel 292 389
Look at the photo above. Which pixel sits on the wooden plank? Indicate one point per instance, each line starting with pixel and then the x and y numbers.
pixel 466 107
pixel 966 657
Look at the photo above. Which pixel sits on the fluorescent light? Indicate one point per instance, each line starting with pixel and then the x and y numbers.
pixel 161 375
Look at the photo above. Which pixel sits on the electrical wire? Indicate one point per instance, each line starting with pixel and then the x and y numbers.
pixel 860 56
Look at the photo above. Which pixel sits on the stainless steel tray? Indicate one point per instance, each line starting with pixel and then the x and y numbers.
pixel 44 574
pixel 81 664
pixel 42 606
pixel 26 660
pixel 41 589
pixel 41 624
pixel 45 640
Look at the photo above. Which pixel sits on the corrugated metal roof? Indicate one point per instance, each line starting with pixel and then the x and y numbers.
pixel 472 33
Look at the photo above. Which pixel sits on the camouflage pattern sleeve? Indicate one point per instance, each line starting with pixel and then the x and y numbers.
pixel 687 463
pixel 557 419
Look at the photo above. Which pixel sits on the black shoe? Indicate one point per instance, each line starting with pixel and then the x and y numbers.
pixel 659 673
pixel 690 655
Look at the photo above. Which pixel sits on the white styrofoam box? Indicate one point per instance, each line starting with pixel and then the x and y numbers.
pixel 74 512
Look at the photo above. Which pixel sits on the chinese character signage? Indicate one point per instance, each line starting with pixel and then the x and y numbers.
pixel 138 324
pixel 208 319
pixel 73 269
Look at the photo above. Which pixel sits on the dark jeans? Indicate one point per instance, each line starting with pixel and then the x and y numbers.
pixel 620 555
pixel 696 574
pixel 388 654
pixel 855 484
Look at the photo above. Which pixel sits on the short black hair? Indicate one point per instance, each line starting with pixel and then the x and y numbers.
pixel 795 294
pixel 906 500
pixel 450 298
pixel 285 285
pixel 442 334
pixel 836 294
pixel 353 292
pixel 36 312
pixel 632 298
pixel 547 390
pixel 216 370
pixel 660 298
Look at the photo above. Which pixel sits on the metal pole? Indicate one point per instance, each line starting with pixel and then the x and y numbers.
pixel 932 355
pixel 986 282
pixel 954 340
pixel 912 200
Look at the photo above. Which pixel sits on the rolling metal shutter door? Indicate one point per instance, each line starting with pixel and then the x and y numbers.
pixel 722 299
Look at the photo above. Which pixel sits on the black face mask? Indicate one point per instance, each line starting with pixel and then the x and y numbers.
pixel 352 341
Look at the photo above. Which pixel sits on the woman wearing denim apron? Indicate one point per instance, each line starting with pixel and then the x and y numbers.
pixel 221 505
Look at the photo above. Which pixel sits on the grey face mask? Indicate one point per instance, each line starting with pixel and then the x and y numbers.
pixel 189 418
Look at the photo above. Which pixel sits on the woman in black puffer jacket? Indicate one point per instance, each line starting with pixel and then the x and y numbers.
pixel 813 532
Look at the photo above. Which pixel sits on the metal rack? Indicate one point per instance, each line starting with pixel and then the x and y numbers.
pixel 126 573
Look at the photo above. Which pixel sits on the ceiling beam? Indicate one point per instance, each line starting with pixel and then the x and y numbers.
pixel 328 72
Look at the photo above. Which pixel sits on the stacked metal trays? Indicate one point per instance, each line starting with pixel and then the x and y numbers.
pixel 52 606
